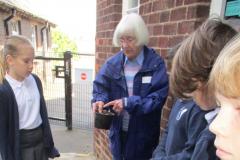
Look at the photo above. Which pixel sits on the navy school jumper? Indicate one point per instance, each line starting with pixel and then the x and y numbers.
pixel 186 122
pixel 205 149
pixel 9 124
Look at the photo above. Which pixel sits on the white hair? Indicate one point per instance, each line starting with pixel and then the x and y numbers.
pixel 131 25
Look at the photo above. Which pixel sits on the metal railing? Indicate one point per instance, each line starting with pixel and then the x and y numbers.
pixel 59 94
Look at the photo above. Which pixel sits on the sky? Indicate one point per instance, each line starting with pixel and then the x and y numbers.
pixel 73 16
pixel 76 18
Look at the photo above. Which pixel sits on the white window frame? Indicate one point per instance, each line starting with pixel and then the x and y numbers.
pixel 217 8
pixel 128 8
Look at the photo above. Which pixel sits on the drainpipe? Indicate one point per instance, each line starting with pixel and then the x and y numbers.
pixel 45 27
pixel 44 50
pixel 42 33
pixel 8 19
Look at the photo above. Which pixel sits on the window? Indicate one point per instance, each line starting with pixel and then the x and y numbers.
pixel 34 36
pixel 44 40
pixel 232 9
pixel 133 3
pixel 14 27
pixel 227 10
pixel 130 6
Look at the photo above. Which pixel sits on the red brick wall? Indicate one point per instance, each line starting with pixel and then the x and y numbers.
pixel 168 21
pixel 109 13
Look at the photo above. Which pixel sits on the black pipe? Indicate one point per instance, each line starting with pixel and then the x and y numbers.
pixel 45 27
pixel 42 33
pixel 44 54
pixel 8 19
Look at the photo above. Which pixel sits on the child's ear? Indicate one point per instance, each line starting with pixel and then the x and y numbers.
pixel 200 85
pixel 9 60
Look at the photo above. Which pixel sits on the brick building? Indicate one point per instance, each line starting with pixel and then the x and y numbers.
pixel 169 22
pixel 18 17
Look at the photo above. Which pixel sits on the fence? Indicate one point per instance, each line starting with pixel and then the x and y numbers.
pixel 52 71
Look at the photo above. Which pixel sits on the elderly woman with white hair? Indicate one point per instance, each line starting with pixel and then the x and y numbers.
pixel 134 83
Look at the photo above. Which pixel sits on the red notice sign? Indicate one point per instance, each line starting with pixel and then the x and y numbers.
pixel 83 76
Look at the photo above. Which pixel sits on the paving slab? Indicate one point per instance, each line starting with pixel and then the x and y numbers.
pixel 76 144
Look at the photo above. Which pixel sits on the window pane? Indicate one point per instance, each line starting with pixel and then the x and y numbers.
pixel 33 36
pixel 14 30
pixel 132 3
pixel 130 6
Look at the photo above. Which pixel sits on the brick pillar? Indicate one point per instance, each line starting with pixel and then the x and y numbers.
pixel 169 22
pixel 109 13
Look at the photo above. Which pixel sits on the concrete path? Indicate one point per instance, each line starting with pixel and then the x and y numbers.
pixel 73 145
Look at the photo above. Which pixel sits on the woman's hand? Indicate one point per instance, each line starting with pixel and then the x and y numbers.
pixel 117 105
pixel 98 106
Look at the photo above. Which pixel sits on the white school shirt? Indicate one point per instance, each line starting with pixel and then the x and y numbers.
pixel 211 115
pixel 28 100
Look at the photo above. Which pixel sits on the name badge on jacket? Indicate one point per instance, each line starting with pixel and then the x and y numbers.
pixel 146 79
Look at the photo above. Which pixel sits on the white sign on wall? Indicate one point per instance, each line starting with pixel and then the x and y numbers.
pixel 83 75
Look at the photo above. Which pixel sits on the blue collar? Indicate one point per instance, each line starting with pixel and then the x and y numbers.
pixel 139 59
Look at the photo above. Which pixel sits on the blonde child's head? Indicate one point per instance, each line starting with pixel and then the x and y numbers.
pixel 16 54
pixel 225 82
pixel 225 75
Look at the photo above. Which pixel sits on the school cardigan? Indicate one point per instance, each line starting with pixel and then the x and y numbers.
pixel 9 124
pixel 186 122
pixel 205 148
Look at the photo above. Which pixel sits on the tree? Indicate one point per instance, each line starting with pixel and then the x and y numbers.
pixel 61 43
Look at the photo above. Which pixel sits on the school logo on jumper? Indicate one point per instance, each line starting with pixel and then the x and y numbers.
pixel 181 112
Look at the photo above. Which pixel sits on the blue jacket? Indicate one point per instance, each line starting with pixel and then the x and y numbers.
pixel 9 124
pixel 144 106
pixel 185 124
